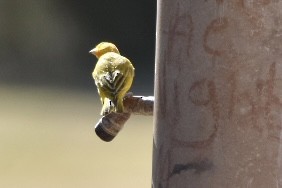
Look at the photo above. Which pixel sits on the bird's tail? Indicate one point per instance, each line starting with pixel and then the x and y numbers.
pixel 112 106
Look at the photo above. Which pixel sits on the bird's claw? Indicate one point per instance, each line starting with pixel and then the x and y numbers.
pixel 129 94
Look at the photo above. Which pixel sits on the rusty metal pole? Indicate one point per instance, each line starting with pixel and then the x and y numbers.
pixel 218 94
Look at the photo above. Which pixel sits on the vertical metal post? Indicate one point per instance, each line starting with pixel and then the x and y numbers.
pixel 218 94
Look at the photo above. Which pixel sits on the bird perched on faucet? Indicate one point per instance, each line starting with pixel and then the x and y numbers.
pixel 113 75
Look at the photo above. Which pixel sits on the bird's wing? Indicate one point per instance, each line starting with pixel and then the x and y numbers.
pixel 111 81
pixel 112 78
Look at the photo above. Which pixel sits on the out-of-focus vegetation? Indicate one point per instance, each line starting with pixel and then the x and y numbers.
pixel 47 139
pixel 47 41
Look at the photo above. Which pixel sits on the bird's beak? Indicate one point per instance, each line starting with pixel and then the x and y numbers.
pixel 93 51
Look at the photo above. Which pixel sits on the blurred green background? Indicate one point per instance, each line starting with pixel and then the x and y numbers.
pixel 49 103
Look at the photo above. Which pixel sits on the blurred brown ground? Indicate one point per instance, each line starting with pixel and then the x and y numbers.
pixel 47 140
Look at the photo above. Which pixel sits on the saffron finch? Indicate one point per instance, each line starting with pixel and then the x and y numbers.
pixel 113 75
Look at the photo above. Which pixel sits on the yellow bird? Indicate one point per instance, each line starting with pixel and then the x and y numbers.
pixel 113 75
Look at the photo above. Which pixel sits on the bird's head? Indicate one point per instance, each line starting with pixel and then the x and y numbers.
pixel 103 48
